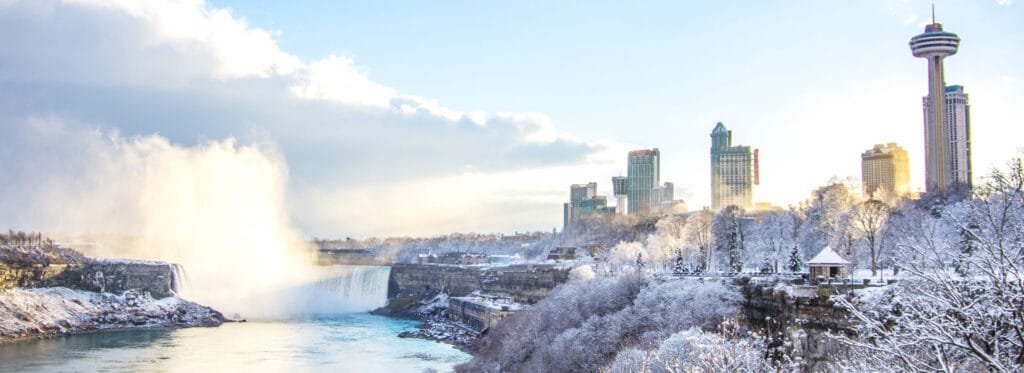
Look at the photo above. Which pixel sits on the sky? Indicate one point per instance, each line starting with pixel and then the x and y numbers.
pixel 420 118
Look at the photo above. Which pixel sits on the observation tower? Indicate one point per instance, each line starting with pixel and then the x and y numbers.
pixel 935 45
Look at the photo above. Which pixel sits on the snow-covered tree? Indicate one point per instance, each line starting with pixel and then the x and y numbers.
pixel 826 221
pixel 694 350
pixel 679 266
pixel 729 235
pixel 582 327
pixel 699 237
pixel 667 242
pixel 771 239
pixel 952 311
pixel 796 260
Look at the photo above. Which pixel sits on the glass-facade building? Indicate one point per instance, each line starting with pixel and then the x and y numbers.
pixel 732 172
pixel 643 173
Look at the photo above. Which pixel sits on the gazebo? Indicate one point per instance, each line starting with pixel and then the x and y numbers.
pixel 828 265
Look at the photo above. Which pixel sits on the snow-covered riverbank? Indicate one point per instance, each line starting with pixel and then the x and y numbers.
pixel 47 312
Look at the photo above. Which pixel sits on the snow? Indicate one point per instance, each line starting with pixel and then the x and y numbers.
pixel 113 261
pixel 493 302
pixel 872 295
pixel 882 275
pixel 58 311
pixel 827 256
pixel 35 254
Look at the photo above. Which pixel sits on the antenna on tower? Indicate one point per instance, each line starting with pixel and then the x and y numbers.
pixel 933 13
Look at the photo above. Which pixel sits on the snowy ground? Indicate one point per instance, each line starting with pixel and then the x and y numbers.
pixel 43 312
pixel 435 326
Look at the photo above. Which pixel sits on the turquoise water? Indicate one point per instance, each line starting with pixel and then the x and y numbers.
pixel 336 343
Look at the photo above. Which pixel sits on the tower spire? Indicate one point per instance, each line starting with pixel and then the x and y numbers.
pixel 933 13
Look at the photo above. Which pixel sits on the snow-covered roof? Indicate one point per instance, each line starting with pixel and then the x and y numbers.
pixel 827 256
pixel 494 303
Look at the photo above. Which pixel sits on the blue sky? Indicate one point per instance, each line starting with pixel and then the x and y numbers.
pixel 470 116
pixel 652 64
pixel 657 73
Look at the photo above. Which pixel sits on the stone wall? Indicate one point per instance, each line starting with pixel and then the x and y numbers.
pixel 98 275
pixel 156 278
pixel 797 325
pixel 523 283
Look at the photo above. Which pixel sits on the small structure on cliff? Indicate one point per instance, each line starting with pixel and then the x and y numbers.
pixel 562 253
pixel 480 311
pixel 828 265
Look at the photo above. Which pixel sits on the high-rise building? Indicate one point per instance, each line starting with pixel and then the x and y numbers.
pixel 620 189
pixel 957 114
pixel 663 194
pixel 885 168
pixel 578 194
pixel 732 171
pixel 566 215
pixel 593 205
pixel 643 174
pixel 935 45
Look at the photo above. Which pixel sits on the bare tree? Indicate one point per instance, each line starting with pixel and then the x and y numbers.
pixel 774 238
pixel 869 219
pixel 698 231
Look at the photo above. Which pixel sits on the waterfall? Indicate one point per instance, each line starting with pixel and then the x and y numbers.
pixel 179 280
pixel 348 288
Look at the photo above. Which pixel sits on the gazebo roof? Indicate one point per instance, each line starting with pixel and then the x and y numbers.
pixel 827 257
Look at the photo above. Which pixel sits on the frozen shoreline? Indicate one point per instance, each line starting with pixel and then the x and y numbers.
pixel 34 313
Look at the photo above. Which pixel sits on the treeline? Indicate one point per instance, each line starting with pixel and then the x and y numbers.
pixel 405 249
pixel 25 239
pixel 956 307
pixel 862 230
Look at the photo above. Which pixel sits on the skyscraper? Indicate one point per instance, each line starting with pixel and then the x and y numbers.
pixel 732 172
pixel 935 45
pixel 957 114
pixel 643 174
pixel 620 189
pixel 885 168
pixel 663 195
pixel 566 215
pixel 578 194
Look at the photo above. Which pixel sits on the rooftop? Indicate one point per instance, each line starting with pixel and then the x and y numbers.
pixel 719 128
pixel 828 256
pixel 643 152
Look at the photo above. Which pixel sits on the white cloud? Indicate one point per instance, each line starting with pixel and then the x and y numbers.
pixel 337 79
pixel 1004 2
pixel 240 50
pixel 534 127
pixel 186 70
pixel 413 105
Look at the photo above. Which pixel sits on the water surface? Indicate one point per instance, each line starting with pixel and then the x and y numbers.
pixel 335 343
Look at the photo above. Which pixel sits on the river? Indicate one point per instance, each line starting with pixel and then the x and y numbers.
pixel 343 341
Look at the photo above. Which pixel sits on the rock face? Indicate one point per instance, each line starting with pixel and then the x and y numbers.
pixel 116 276
pixel 60 267
pixel 523 283
pixel 51 291
pixel 797 326
pixel 409 279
